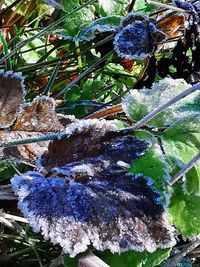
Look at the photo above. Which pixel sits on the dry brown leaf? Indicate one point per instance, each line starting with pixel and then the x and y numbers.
pixel 40 116
pixel 11 97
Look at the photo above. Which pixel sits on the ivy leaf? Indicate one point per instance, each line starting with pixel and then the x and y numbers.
pixel 139 103
pixel 136 259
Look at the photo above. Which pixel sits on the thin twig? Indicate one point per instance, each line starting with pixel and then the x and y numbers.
pixel 6 192
pixel 185 169
pixel 14 218
pixel 6 222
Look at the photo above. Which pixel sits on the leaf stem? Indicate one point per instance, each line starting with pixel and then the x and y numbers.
pixel 91 260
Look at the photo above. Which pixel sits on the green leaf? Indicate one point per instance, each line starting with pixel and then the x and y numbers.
pixel 77 21
pixel 90 87
pixel 184 211
pixel 6 170
pixel 139 103
pixel 143 6
pixel 181 142
pixel 73 94
pixel 112 7
pixel 152 164
pixel 135 259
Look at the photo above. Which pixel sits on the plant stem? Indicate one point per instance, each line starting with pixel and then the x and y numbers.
pixel 185 169
pixel 162 5
pixel 45 137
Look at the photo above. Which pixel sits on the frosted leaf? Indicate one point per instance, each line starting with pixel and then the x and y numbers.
pixel 11 96
pixel 40 116
pixel 192 7
pixel 107 5
pixel 95 143
pixel 139 103
pixel 117 212
pixel 137 37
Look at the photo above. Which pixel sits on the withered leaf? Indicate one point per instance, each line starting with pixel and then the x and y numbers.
pixel 11 97
pixel 33 120
pixel 93 142
pixel 40 116
pixel 119 212
pixel 91 199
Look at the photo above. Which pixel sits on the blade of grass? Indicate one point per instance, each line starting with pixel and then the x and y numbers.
pixel 45 137
pixel 83 74
pixel 5 51
pixel 52 79
pixel 45 30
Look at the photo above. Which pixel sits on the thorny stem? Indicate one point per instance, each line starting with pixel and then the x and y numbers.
pixel 185 169
pixel 162 107
pixel 83 74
